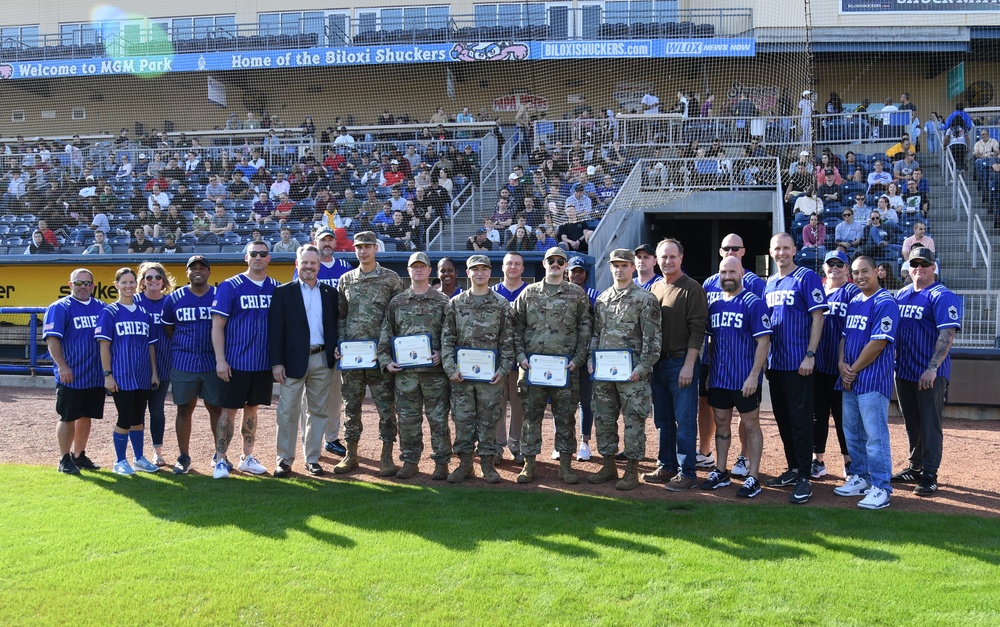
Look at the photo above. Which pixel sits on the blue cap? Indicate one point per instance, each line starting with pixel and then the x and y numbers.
pixel 837 254
pixel 577 262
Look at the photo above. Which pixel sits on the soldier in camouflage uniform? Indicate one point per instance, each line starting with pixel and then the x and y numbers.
pixel 478 318
pixel 551 317
pixel 365 293
pixel 626 316
pixel 417 311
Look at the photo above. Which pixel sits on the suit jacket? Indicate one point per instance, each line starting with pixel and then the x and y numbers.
pixel 288 328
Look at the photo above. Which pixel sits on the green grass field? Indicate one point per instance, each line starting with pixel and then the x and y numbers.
pixel 107 550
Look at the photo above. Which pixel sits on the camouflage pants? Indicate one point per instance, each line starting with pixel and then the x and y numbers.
pixel 353 388
pixel 415 393
pixel 475 407
pixel 564 401
pixel 633 401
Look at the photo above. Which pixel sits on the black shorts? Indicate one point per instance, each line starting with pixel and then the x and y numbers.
pixel 73 403
pixel 703 380
pixel 247 389
pixel 727 399
pixel 131 406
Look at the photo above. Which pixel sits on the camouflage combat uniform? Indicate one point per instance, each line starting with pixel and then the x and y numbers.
pixel 628 318
pixel 363 301
pixel 482 322
pixel 422 388
pixel 551 320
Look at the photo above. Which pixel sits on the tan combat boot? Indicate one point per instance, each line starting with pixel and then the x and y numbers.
pixel 631 477
pixel 464 469
pixel 440 471
pixel 489 472
pixel 387 468
pixel 607 472
pixel 408 471
pixel 527 474
pixel 566 469
pixel 350 461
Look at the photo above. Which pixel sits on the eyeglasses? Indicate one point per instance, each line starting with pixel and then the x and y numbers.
pixel 836 264
pixel 556 261
pixel 82 283
pixel 258 253
pixel 732 248
pixel 153 277
pixel 847 214
pixel 920 264
pixel 876 219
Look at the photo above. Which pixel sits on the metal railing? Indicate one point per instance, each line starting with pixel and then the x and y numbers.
pixel 980 318
pixel 32 338
pixel 984 249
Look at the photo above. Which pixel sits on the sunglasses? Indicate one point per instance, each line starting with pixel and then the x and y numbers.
pixel 82 283
pixel 836 264
pixel 847 214
pixel 153 277
pixel 876 219
pixel 920 264
pixel 258 253
pixel 732 248
pixel 556 261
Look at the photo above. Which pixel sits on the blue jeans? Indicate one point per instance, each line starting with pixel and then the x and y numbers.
pixel 675 414
pixel 866 428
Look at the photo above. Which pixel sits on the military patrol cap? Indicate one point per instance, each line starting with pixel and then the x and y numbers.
pixel 419 256
pixel 477 260
pixel 555 251
pixel 366 237
pixel 621 254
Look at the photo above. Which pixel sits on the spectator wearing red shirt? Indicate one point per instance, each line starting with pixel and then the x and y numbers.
pixel 47 233
pixel 284 208
pixel 393 176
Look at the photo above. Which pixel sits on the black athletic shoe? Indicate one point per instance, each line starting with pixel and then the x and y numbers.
pixel 907 475
pixel 183 465
pixel 787 478
pixel 749 489
pixel 927 486
pixel 84 462
pixel 66 465
pixel 716 479
pixel 802 493
pixel 336 447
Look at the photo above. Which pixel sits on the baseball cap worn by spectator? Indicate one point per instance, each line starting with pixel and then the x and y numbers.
pixel 197 259
pixel 577 262
pixel 646 248
pixel 325 232
pixel 477 260
pixel 624 254
pixel 366 238
pixel 419 257
pixel 555 251
pixel 837 254
pixel 512 177
pixel 922 253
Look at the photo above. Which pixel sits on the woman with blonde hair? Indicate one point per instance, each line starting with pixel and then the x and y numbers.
pixel 154 284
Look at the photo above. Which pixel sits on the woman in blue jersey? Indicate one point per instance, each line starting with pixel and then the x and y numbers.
pixel 125 334
pixel 154 285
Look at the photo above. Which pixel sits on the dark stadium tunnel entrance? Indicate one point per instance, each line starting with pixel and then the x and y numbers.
pixel 701 235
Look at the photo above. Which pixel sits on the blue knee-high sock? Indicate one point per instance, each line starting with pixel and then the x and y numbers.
pixel 136 437
pixel 121 442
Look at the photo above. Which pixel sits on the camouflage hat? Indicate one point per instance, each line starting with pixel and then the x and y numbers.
pixel 419 256
pixel 621 254
pixel 478 260
pixel 366 237
pixel 555 251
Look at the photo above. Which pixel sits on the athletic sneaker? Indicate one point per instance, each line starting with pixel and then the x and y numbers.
pixel 855 485
pixel 145 465
pixel 122 468
pixel 787 478
pixel 818 469
pixel 85 463
pixel 251 465
pixel 183 465
pixel 68 466
pixel 336 447
pixel 555 454
pixel 229 464
pixel 584 453
pixel 877 498
pixel 749 489
pixel 907 475
pixel 716 479
pixel 158 460
pixel 705 461
pixel 221 470
pixel 741 468
pixel 928 485
pixel 802 493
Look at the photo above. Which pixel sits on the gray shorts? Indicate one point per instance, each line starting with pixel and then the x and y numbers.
pixel 188 386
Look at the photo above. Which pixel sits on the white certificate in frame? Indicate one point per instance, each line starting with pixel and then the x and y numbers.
pixel 548 370
pixel 412 351
pixel 476 364
pixel 357 355
pixel 612 365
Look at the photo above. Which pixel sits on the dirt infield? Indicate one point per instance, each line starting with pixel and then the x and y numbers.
pixel 969 481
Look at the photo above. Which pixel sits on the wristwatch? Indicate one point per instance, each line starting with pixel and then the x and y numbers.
pixel 810 353
pixel 107 373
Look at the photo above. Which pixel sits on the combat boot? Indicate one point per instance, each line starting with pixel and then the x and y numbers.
pixel 350 461
pixel 527 474
pixel 566 469
pixel 408 471
pixel 440 471
pixel 464 469
pixel 387 468
pixel 607 472
pixel 489 472
pixel 631 477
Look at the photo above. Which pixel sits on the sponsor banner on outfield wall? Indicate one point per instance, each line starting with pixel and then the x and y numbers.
pixel 916 6
pixel 380 55
pixel 38 285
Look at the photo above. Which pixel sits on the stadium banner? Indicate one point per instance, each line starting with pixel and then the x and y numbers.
pixel 381 55
pixel 917 6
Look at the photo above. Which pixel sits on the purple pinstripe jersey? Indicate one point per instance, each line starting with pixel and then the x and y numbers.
pixel 163 344
pixel 245 305
pixel 130 334
pixel 191 317
pixel 713 292
pixel 330 274
pixel 502 290
pixel 921 315
pixel 790 301
pixel 734 325
pixel 73 322
pixel 833 327
pixel 874 318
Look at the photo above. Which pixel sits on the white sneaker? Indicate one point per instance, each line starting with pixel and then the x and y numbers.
pixel 854 486
pixel 555 454
pixel 705 461
pixel 250 464
pixel 741 468
pixel 158 460
pixel 584 453
pixel 221 470
pixel 877 498
pixel 145 465
pixel 123 468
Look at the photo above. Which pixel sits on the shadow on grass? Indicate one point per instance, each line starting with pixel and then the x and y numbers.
pixel 566 524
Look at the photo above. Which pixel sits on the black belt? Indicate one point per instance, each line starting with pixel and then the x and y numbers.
pixel 676 354
pixel 319 348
